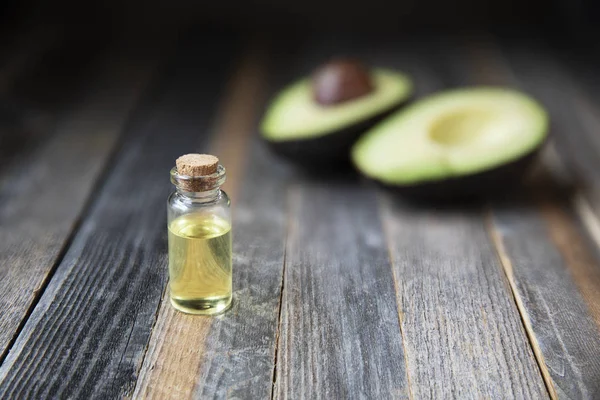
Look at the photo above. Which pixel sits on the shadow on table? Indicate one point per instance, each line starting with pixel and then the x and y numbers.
pixel 542 186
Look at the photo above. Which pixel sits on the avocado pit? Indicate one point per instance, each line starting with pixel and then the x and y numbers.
pixel 316 136
pixel 339 81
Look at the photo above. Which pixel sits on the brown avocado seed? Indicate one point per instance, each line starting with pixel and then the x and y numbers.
pixel 339 81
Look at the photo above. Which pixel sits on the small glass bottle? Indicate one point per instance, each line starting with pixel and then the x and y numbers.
pixel 199 224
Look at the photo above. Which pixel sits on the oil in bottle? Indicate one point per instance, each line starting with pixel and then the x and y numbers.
pixel 200 263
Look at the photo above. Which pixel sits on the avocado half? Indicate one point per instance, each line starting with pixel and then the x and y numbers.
pixel 304 131
pixel 455 144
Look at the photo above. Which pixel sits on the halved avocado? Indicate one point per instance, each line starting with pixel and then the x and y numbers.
pixel 458 143
pixel 303 130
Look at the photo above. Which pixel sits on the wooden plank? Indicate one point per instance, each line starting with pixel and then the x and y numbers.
pixel 340 334
pixel 462 331
pixel 41 86
pixel 88 334
pixel 231 355
pixel 24 54
pixel 223 365
pixel 551 267
pixel 553 270
pixel 553 279
pixel 45 189
pixel 473 341
pixel 575 118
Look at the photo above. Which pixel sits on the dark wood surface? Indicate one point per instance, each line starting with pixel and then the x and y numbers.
pixel 339 332
pixel 550 260
pixel 45 189
pixel 341 290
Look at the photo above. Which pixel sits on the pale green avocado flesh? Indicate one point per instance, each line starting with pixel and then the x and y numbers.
pixel 294 114
pixel 451 134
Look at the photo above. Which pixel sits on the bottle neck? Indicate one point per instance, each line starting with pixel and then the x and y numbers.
pixel 199 197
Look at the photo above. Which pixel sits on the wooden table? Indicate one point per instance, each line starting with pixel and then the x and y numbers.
pixel 341 290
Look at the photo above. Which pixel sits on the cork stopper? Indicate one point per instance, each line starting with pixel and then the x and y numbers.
pixel 198 172
pixel 197 164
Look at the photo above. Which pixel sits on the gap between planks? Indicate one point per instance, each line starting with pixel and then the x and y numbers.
pixel 130 93
pixel 480 263
pixel 560 228
pixel 508 270
pixel 487 72
pixel 15 66
pixel 553 165
pixel 289 229
pixel 232 136
pixel 399 306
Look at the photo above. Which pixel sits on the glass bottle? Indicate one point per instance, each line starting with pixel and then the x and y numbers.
pixel 199 225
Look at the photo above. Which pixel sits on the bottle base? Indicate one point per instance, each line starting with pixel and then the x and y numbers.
pixel 202 306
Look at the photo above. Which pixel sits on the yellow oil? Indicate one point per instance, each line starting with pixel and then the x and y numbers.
pixel 200 264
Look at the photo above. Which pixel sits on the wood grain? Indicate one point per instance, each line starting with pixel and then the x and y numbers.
pixel 369 298
pixel 44 191
pixel 462 331
pixel 87 336
pixel 548 275
pixel 231 355
pixel 552 267
pixel 340 334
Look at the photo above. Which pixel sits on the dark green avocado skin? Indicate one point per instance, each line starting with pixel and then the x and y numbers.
pixel 493 182
pixel 331 150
